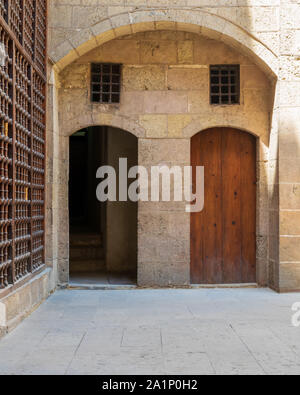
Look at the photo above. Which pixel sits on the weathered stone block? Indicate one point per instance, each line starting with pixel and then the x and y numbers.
pixel 176 124
pixel 289 249
pixel 146 78
pixel 290 223
pixel 188 79
pixel 75 76
pixel 155 125
pixel 164 52
pixel 290 196
pixel 168 102
pixel 132 103
pixel 289 277
pixel 186 52
pixel 164 151
pixel 164 274
pixel 198 101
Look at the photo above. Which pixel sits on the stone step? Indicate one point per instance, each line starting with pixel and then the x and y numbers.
pixel 86 253
pixel 85 240
pixel 90 265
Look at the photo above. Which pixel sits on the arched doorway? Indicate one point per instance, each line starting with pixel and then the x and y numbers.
pixel 103 236
pixel 223 235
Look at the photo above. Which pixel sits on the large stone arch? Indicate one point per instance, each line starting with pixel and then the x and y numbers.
pixel 195 21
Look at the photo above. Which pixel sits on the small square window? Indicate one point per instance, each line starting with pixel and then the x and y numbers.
pixel 106 82
pixel 225 84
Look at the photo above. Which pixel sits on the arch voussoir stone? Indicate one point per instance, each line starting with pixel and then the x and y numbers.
pixel 192 20
pixel 219 122
pixel 102 119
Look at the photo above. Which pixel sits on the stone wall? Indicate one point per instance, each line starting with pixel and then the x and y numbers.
pixel 289 147
pixel 73 23
pixel 164 112
pixel 22 301
pixel 165 101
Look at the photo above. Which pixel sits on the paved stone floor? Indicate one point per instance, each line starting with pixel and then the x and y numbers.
pixel 233 331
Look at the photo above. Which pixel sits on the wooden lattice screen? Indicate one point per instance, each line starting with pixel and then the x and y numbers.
pixel 23 28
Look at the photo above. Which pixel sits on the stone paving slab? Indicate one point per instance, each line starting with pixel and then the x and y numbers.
pixel 198 331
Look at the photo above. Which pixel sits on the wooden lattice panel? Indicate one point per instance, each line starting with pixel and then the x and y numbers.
pixel 15 17
pixel 40 36
pixel 38 171
pixel 22 140
pixel 22 165
pixel 6 133
pixel 28 31
pixel 27 21
pixel 3 9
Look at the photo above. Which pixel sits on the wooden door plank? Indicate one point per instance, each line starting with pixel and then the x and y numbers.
pixel 206 228
pixel 223 236
pixel 212 215
pixel 231 206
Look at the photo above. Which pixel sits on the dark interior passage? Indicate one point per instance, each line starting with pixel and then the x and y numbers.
pixel 85 158
pixel 103 236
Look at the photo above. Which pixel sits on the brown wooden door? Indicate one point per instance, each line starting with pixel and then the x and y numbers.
pixel 223 235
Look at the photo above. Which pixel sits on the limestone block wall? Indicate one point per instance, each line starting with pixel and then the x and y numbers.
pixel 164 102
pixel 73 20
pixel 289 147
pixel 23 300
pixel 264 31
pixel 166 84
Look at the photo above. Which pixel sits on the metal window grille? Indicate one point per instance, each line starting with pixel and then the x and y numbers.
pixel 225 84
pixel 22 140
pixel 106 83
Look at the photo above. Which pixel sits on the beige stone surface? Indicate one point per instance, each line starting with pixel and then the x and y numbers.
pixel 165 91
pixel 289 277
pixel 155 125
pixel 244 27
pixel 165 95
pixel 165 101
pixel 176 124
pixel 144 78
pixel 18 304
pixel 290 223
pixel 289 249
pixel 166 86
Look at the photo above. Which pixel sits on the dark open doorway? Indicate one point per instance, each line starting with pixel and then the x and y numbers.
pixel 103 236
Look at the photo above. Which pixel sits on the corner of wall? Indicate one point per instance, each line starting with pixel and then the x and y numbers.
pixel 22 302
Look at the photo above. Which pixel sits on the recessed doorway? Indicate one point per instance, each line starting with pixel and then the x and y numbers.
pixel 103 236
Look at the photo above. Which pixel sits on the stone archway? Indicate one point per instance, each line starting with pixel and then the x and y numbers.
pixel 85 120
pixel 150 142
pixel 194 21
